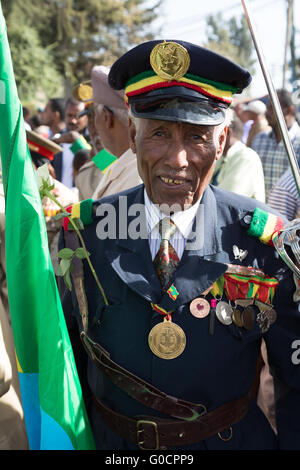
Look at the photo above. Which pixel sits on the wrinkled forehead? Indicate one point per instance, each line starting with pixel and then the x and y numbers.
pixel 144 126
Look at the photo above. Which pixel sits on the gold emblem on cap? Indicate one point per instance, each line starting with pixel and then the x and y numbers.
pixel 83 92
pixel 170 60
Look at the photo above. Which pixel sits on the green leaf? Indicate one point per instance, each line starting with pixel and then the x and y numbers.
pixel 65 253
pixel 60 215
pixel 58 271
pixel 81 253
pixel 65 266
pixel 78 223
pixel 67 279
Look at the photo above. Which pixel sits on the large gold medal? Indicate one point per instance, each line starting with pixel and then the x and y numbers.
pixel 170 60
pixel 167 340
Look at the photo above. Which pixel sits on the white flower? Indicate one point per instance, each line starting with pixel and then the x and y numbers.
pixel 43 177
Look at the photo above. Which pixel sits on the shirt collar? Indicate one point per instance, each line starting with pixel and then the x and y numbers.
pixel 182 219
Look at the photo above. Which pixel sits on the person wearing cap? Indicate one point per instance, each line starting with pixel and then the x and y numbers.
pixel 189 289
pixel 269 145
pixel 255 111
pixel 239 169
pixel 43 151
pixel 90 174
pixel 111 121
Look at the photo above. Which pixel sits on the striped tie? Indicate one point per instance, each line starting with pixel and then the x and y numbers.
pixel 166 259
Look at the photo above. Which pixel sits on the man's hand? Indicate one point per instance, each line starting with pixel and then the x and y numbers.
pixel 67 138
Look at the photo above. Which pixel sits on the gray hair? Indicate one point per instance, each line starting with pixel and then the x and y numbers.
pixel 121 114
pixel 226 123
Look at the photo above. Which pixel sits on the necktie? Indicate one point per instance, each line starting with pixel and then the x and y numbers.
pixel 166 259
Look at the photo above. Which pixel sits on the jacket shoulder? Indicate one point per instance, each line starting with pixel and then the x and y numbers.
pixel 257 219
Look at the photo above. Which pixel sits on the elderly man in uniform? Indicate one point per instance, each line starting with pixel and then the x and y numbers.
pixel 173 335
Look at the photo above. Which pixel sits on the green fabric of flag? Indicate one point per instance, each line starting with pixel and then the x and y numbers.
pixel 54 411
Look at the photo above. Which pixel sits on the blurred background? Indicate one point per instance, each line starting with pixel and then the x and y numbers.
pixel 55 43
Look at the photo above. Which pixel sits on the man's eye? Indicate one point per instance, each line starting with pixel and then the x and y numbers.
pixel 159 133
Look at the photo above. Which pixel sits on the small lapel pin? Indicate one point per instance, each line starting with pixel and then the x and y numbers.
pixel 239 254
pixel 173 292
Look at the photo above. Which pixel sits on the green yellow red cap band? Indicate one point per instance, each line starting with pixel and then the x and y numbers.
pixel 145 82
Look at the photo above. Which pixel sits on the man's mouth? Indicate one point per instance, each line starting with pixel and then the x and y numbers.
pixel 172 181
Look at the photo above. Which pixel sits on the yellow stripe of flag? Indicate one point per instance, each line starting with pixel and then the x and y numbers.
pixel 269 228
pixel 75 212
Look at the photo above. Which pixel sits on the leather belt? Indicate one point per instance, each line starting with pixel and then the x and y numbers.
pixel 139 389
pixel 152 433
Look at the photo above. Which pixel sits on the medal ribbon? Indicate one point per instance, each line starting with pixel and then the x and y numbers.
pixel 243 287
pixel 162 311
pixel 218 288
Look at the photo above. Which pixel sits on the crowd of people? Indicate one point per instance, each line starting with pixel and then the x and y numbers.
pixel 92 148
pixel 254 162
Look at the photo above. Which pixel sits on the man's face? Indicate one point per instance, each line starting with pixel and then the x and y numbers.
pixel 73 122
pixel 175 160
pixel 47 116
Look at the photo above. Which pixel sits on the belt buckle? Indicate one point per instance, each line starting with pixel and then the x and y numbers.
pixel 139 431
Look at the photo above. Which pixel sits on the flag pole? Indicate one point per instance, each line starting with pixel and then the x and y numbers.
pixel 274 99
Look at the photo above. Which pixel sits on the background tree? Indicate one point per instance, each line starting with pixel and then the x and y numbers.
pixel 231 38
pixel 74 36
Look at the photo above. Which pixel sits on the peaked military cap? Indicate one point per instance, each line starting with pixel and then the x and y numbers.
pixel 178 81
pixel 42 150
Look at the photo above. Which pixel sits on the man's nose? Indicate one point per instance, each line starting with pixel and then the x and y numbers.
pixel 177 155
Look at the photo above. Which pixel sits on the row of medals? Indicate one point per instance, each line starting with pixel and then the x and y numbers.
pixel 167 340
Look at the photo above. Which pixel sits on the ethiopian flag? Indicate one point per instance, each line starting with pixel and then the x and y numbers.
pixel 54 412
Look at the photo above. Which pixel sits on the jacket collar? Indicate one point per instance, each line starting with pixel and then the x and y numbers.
pixel 131 259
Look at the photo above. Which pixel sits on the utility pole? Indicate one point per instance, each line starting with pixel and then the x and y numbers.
pixel 289 28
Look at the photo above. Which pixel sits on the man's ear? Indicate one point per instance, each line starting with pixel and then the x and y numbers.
pixel 221 142
pixel 108 117
pixel 132 135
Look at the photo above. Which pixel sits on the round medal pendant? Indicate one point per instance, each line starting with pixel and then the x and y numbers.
pixel 224 313
pixel 199 307
pixel 237 317
pixel 263 322
pixel 248 317
pixel 272 315
pixel 167 340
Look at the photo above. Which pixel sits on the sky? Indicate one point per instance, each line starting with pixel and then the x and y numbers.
pixel 186 20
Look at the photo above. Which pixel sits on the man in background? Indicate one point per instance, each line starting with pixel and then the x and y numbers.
pixel 111 120
pixel 53 116
pixel 255 111
pixel 76 129
pixel 239 169
pixel 269 145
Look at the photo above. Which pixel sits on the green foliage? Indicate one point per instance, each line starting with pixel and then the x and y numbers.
pixel 232 39
pixel 64 39
pixel 34 67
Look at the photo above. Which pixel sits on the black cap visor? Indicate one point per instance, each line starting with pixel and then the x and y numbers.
pixel 190 107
